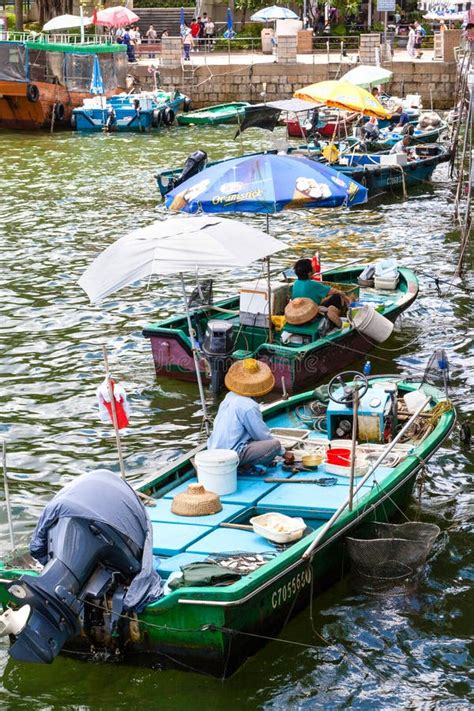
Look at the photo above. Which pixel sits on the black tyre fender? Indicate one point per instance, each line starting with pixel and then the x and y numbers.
pixel 187 104
pixel 168 116
pixel 32 93
pixel 156 118
pixel 59 112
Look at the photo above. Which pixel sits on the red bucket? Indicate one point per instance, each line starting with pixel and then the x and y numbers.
pixel 340 457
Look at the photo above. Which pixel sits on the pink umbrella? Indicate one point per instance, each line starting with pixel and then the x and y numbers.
pixel 115 17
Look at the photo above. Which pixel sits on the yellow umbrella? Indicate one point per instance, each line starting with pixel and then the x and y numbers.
pixel 343 95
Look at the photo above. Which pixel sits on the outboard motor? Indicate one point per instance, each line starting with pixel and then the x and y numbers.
pixel 193 165
pixel 87 560
pixel 93 538
pixel 217 346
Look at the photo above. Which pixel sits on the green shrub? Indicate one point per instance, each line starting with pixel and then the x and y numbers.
pixel 339 30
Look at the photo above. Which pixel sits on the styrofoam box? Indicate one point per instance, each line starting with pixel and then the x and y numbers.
pixel 394 159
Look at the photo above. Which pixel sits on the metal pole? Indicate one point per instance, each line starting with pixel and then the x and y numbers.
pixel 195 357
pixel 269 282
pixel 114 412
pixel 361 483
pixel 369 15
pixel 81 15
pixel 7 495
pixel 355 407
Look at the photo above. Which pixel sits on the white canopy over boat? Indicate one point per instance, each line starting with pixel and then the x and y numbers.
pixel 176 246
pixel 367 76
pixel 66 22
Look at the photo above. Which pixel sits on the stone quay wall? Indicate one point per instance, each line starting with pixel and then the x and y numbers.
pixel 215 84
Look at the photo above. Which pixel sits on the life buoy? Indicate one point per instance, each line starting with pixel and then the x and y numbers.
pixel 59 112
pixel 32 93
pixel 187 104
pixel 168 116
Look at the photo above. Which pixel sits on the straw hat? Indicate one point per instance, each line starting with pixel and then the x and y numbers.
pixel 249 377
pixel 300 311
pixel 196 501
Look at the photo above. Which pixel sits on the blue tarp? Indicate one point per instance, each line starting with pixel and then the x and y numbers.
pixel 103 496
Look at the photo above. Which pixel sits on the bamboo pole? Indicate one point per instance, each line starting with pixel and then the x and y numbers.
pixel 7 495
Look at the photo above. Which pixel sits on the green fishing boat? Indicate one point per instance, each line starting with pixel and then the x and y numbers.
pixel 299 356
pixel 214 115
pixel 214 627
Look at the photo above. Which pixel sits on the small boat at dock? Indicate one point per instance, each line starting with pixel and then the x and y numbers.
pixel 41 82
pixel 212 620
pixel 299 356
pixel 230 112
pixel 135 113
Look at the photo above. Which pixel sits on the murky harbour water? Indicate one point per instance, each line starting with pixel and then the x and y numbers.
pixel 64 198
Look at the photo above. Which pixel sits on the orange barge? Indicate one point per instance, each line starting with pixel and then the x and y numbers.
pixel 42 82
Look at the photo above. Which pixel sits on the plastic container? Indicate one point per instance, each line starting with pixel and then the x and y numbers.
pixel 386 283
pixel 278 528
pixel 339 456
pixel 414 399
pixel 369 322
pixel 217 470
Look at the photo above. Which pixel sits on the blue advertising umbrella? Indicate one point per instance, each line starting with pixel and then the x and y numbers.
pixel 97 83
pixel 266 183
pixel 229 33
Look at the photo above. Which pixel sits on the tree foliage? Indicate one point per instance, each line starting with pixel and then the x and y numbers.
pixel 52 8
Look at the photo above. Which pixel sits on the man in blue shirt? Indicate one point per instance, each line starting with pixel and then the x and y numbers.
pixel 239 423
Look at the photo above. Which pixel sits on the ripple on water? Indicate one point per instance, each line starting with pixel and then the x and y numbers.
pixel 64 199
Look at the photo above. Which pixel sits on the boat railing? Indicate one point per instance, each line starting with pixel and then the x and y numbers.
pixel 55 38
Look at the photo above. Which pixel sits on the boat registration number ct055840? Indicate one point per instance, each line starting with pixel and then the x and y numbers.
pixel 291 588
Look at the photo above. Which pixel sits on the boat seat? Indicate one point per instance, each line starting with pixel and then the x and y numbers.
pixel 173 538
pixel 310 329
pixel 249 490
pixel 226 540
pixel 161 512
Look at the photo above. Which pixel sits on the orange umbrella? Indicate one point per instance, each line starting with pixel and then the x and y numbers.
pixel 343 95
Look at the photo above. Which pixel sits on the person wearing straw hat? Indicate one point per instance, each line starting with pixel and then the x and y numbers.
pixel 305 288
pixel 239 423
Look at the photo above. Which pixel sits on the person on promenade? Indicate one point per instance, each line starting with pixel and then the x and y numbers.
pixel 151 35
pixel 209 30
pixel 419 35
pixel 195 30
pixel 411 41
pixel 188 44
pixel 239 423
pixel 468 25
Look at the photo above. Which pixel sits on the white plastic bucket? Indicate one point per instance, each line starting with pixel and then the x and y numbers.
pixel 369 322
pixel 217 470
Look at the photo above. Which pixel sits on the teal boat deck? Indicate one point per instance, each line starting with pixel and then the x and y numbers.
pixel 179 540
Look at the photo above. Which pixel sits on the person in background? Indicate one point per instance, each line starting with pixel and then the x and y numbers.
pixel 403 146
pixel 188 44
pixel 127 40
pixel 209 30
pixel 195 30
pixel 401 119
pixel 419 35
pixel 165 33
pixel 239 423
pixel 411 41
pixel 151 36
pixel 468 26
pixel 333 299
pixel 375 92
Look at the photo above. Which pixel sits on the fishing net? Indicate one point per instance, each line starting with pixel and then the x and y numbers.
pixel 390 554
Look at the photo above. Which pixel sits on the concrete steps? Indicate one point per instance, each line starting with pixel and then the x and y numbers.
pixel 165 18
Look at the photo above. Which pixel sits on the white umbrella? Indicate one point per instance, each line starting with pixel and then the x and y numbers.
pixel 367 76
pixel 177 246
pixel 275 12
pixel 66 22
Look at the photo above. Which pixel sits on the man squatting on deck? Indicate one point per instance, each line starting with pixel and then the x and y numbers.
pixel 239 423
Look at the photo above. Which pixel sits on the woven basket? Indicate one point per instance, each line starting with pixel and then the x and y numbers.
pixel 196 501
pixel 301 310
pixel 250 378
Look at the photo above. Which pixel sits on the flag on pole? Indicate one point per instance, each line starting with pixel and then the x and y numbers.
pixel 122 408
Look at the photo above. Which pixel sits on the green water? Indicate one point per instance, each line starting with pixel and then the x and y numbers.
pixel 64 198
